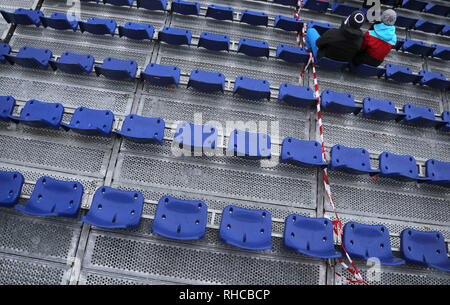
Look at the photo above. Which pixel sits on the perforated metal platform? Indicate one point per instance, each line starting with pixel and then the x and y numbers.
pixel 55 250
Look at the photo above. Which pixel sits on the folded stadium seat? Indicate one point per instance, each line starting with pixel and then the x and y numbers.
pixel 113 209
pixel 399 44
pixel 297 95
pixel 287 2
pixel 254 18
pixel 446 118
pixel 214 42
pixel 370 242
pixel 119 2
pixel 91 122
pixel 196 137
pixel 381 110
pixel 417 47
pixel 437 9
pixel 345 9
pixel 405 22
pixel 446 30
pixel 331 64
pixel 399 167
pixel 246 228
pixel 401 74
pixel 175 36
pixel 53 197
pixel 254 48
pixel 59 21
pixel 137 31
pixel 10 188
pixel 421 116
pixel 40 114
pixel 7 104
pixel 351 160
pixel 428 26
pixel 98 26
pixel 250 145
pixel 438 172
pixel 302 153
pixel 29 57
pixel 220 12
pixel 367 70
pixel 180 219
pixel 23 16
pixel 252 88
pixel 185 7
pixel 415 5
pixel 161 75
pixel 73 63
pixel 316 5
pixel 117 69
pixel 339 102
pixel 288 23
pixel 154 5
pixel 206 81
pixel 142 129
pixel 434 80
pixel 442 52
pixel 292 54
pixel 310 236
pixel 424 248
pixel 319 26
pixel 5 49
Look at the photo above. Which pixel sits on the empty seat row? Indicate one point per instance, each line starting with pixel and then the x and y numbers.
pixel 427 7
pixel 244 228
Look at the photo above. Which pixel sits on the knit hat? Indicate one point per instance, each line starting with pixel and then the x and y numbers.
pixel 355 20
pixel 388 17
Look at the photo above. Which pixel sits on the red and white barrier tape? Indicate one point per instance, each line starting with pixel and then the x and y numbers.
pixel 337 225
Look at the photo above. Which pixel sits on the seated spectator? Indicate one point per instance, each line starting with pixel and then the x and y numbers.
pixel 378 41
pixel 339 44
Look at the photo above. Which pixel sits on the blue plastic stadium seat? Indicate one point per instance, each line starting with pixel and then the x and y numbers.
pixel 154 5
pixel 117 69
pixel 7 104
pixel 73 63
pixel 302 153
pixel 442 52
pixel 343 9
pixel 253 48
pixel 399 44
pixel 437 9
pixel 250 145
pixel 310 236
pixel 220 12
pixel 175 36
pixel 380 110
pixel 252 88
pixel 5 49
pixel 415 5
pixel 185 7
pixel 399 167
pixel 438 172
pixel 351 160
pixel 420 116
pixel 370 241
pixel 180 219
pixel 29 57
pixel 446 30
pixel 214 42
pixel 401 74
pixel 367 70
pixel 91 122
pixel 98 26
pixel 297 95
pixel 319 26
pixel 288 23
pixel 254 18
pixel 113 209
pixel 339 102
pixel 417 47
pixel 142 129
pixel 446 118
pixel 207 81
pixel 161 75
pixel 292 54
pixel 23 16
pixel 406 22
pixel 331 64
pixel 424 248
pixel 316 5
pixel 246 228
pixel 40 114
pixel 434 80
pixel 53 197
pixel 59 21
pixel 196 137
pixel 286 2
pixel 428 26
pixel 119 2
pixel 137 31
pixel 10 188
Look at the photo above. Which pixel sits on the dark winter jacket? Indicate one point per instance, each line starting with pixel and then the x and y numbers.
pixel 340 44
